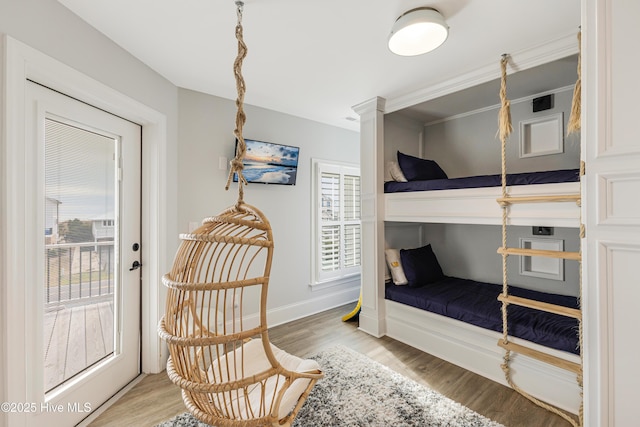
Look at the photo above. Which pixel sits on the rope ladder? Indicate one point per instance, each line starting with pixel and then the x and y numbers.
pixel 505 201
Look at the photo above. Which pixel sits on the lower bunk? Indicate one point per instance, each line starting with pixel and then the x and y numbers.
pixel 466 327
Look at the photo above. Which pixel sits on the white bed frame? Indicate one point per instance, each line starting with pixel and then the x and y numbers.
pixel 476 350
pixel 479 206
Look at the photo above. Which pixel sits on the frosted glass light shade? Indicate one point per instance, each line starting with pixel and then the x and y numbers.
pixel 418 31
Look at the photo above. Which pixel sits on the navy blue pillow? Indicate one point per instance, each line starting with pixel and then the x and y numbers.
pixel 417 169
pixel 420 266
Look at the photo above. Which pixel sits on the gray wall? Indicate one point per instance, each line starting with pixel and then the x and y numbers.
pixel 469 251
pixel 468 145
pixel 206 133
pixel 401 134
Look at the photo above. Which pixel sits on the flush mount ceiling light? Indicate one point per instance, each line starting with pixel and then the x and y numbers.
pixel 418 31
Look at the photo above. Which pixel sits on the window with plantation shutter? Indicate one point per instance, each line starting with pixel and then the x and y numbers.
pixel 336 222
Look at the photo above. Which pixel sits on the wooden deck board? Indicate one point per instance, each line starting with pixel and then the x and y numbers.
pixel 76 347
pixel 74 338
pixel 56 352
pixel 106 321
pixel 94 341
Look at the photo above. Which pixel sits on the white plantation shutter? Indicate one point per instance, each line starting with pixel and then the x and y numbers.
pixel 351 221
pixel 352 245
pixel 351 198
pixel 336 221
pixel 330 193
pixel 330 248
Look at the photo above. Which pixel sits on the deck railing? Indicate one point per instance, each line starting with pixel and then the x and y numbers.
pixel 77 271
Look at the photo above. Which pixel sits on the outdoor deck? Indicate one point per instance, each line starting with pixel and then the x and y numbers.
pixel 76 336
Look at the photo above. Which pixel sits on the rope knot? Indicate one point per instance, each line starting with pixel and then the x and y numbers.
pixel 236 164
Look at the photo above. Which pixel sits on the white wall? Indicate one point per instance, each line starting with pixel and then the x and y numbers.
pixel 206 126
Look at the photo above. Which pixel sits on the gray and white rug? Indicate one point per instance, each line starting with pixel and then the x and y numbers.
pixel 357 391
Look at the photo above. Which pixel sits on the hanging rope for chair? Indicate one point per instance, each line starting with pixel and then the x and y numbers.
pixel 241 148
pixel 215 321
pixel 504 130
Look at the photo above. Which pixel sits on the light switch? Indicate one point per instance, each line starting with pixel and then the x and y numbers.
pixel 222 163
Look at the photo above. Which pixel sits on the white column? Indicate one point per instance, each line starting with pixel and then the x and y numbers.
pixel 372 213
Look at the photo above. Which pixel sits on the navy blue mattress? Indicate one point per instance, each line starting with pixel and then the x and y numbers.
pixel 548 177
pixel 476 303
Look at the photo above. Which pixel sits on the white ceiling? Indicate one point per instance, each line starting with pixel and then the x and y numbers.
pixel 316 59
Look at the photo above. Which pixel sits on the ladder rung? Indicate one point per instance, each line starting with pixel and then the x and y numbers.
pixel 540 199
pixel 541 356
pixel 575 256
pixel 543 306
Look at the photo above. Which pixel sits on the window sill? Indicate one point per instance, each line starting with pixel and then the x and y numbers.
pixel 342 281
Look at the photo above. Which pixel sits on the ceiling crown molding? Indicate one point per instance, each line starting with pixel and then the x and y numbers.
pixel 522 60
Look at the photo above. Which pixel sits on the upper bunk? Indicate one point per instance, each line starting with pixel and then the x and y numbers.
pixel 454 155
pixel 474 200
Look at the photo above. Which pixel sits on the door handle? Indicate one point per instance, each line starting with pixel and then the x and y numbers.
pixel 136 265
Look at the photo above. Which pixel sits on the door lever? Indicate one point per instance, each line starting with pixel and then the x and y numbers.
pixel 136 265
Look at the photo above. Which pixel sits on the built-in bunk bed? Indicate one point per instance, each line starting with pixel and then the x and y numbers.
pixel 459 319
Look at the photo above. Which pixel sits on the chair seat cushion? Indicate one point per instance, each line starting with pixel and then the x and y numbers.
pixel 231 366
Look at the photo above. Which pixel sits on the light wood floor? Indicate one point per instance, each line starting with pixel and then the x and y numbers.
pixel 156 399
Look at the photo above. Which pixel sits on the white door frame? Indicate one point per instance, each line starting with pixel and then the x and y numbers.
pixel 17 225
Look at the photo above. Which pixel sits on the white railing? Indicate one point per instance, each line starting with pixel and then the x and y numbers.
pixel 79 271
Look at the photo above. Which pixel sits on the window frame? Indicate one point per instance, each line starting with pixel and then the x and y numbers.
pixel 319 278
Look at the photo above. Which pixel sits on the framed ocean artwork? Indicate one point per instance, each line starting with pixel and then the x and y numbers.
pixel 269 163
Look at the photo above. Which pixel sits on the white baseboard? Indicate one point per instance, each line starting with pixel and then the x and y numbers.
pixel 287 313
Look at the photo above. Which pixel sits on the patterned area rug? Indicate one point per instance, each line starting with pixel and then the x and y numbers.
pixel 357 391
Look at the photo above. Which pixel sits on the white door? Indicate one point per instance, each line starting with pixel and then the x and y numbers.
pixel 612 155
pixel 83 341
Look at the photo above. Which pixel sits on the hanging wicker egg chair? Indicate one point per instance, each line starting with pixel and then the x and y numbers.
pixel 215 321
pixel 229 372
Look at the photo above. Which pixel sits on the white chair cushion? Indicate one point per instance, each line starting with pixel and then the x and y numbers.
pixel 255 362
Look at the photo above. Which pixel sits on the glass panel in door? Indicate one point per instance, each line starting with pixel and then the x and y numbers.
pixel 81 234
